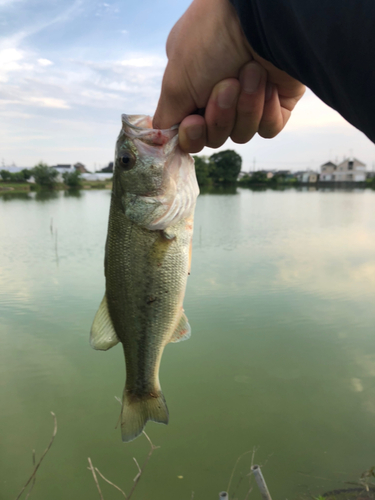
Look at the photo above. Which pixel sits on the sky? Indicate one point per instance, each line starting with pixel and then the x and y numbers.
pixel 68 69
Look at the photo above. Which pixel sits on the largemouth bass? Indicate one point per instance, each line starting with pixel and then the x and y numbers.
pixel 147 262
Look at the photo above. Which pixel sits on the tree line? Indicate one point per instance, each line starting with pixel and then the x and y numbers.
pixel 44 176
pixel 219 168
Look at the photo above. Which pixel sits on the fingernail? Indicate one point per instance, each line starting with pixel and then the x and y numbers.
pixel 269 91
pixel 227 95
pixel 194 132
pixel 250 78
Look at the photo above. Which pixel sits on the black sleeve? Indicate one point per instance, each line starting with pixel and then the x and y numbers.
pixel 329 45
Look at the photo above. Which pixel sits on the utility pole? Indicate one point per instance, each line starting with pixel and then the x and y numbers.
pixel 254 162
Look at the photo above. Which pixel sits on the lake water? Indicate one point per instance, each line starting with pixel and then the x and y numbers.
pixel 281 358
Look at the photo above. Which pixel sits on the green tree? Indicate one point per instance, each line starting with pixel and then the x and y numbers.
pixel 246 179
pixel 225 167
pixel 202 169
pixel 21 176
pixel 26 174
pixel 5 175
pixel 258 177
pixel 16 177
pixel 72 179
pixel 44 175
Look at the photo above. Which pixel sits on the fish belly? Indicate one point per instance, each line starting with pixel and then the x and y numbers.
pixel 146 274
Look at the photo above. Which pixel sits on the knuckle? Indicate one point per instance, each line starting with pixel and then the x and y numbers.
pixel 246 127
pixel 218 131
pixel 268 131
pixel 249 108
pixel 195 149
pixel 216 142
pixel 242 138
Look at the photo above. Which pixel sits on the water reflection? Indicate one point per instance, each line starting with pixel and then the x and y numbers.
pixel 280 300
pixel 45 195
pixel 219 190
pixel 73 193
pixel 269 187
pixel 305 189
pixel 256 188
pixel 15 196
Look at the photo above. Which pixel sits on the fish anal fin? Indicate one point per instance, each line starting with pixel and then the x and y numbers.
pixel 183 330
pixel 103 335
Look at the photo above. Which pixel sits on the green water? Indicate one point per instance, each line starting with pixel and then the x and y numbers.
pixel 282 354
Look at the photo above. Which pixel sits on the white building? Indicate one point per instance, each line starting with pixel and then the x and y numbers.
pixel 307 177
pixel 349 170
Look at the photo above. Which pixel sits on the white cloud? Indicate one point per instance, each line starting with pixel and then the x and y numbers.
pixel 45 62
pixel 312 112
pixel 10 56
pixel 6 2
pixel 12 60
pixel 143 62
pixel 49 102
pixel 9 61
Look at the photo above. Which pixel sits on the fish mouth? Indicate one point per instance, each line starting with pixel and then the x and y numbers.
pixel 140 122
pixel 140 127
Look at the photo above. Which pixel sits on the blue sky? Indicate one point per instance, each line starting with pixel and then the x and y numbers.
pixel 68 69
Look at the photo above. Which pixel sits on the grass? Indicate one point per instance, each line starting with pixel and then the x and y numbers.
pixel 14 187
pixel 25 187
pixel 97 184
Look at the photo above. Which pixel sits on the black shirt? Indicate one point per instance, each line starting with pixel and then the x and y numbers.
pixel 329 45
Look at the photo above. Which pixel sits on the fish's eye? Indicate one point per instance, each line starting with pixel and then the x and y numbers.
pixel 127 160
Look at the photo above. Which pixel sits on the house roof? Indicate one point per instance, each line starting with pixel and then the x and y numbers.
pixel 13 169
pixel 329 164
pixel 354 160
pixel 360 162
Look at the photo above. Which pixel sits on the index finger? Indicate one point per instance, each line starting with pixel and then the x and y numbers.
pixel 175 102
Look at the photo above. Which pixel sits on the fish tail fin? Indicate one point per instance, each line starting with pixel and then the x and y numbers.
pixel 137 410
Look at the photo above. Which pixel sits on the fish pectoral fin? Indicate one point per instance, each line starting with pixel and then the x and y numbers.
pixel 183 330
pixel 103 335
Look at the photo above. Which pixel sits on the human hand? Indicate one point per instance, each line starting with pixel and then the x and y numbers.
pixel 211 65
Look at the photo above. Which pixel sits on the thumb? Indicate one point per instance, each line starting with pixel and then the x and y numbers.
pixel 175 102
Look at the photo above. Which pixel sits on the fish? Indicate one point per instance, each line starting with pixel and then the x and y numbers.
pixel 147 263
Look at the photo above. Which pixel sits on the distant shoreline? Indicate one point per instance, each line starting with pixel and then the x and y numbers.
pixel 13 187
pixel 27 187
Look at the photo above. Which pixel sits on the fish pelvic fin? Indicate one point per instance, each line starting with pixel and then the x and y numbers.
pixel 103 335
pixel 137 410
pixel 183 330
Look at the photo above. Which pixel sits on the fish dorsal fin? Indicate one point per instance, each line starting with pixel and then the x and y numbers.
pixel 103 335
pixel 183 330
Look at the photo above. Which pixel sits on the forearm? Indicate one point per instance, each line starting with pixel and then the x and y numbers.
pixel 328 45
